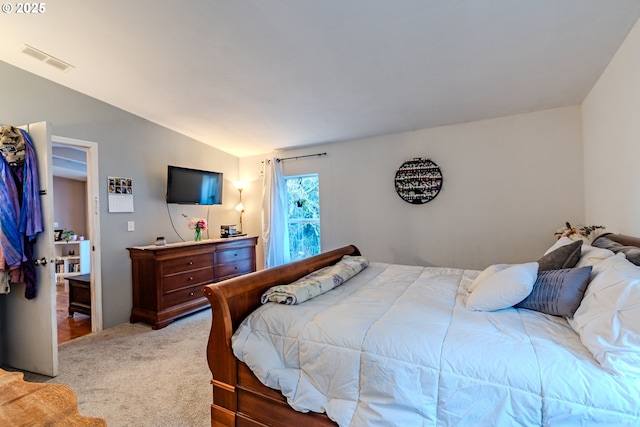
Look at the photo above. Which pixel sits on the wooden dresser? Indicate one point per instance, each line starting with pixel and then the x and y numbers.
pixel 80 294
pixel 168 280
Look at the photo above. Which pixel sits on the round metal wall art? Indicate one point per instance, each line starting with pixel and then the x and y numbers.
pixel 418 181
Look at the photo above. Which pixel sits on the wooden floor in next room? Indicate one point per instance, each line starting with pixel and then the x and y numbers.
pixel 69 327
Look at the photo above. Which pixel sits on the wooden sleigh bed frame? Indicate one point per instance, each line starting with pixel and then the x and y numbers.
pixel 239 398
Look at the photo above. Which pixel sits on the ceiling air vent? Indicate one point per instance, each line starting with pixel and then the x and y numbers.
pixel 45 57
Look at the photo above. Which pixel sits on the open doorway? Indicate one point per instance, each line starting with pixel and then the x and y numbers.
pixel 76 221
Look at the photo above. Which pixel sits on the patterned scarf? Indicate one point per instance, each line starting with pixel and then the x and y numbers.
pixel 21 212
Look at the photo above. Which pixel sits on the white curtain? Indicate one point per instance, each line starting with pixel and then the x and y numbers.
pixel 275 233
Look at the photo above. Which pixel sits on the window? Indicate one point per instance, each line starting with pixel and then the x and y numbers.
pixel 303 215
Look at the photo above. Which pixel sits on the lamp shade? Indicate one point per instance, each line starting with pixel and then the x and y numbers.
pixel 240 207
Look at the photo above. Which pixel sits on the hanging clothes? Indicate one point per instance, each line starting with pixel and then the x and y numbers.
pixel 21 213
pixel 5 286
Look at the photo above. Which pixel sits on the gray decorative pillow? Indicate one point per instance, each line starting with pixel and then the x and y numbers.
pixel 566 256
pixel 632 253
pixel 558 292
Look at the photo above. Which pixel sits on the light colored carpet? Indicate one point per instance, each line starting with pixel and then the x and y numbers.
pixel 131 375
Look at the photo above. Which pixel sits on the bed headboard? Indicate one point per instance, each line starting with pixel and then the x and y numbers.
pixel 622 239
pixel 628 245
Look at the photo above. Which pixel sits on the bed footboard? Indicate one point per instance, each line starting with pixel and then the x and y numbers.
pixel 231 301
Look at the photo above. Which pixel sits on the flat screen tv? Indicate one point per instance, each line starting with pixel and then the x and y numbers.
pixel 193 187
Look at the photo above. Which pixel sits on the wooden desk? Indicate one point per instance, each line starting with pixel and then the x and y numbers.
pixel 80 294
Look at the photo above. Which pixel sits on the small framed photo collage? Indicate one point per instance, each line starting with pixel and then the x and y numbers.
pixel 120 185
pixel 120 194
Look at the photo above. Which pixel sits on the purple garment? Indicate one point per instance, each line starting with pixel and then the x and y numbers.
pixel 30 215
pixel 31 210
pixel 29 270
pixel 21 214
pixel 10 239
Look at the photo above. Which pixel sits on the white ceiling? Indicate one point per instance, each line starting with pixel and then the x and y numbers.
pixel 251 76
pixel 69 162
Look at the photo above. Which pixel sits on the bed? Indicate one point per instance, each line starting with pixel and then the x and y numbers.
pixel 409 345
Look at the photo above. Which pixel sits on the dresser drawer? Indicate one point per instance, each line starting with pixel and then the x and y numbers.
pixel 231 255
pixel 182 295
pixel 223 271
pixel 202 276
pixel 189 262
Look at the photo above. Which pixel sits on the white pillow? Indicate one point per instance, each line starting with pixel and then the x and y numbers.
pixel 589 255
pixel 485 274
pixel 608 318
pixel 504 288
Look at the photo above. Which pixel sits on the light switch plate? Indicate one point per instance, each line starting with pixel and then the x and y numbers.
pixel 131 226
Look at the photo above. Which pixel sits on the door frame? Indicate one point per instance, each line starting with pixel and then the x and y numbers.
pixel 93 223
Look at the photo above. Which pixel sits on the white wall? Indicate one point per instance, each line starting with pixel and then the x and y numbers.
pixel 70 201
pixel 250 172
pixel 509 183
pixel 611 128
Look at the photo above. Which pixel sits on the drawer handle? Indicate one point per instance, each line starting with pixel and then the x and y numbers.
pixel 190 294
pixel 190 262
pixel 235 254
pixel 191 278
pixel 236 267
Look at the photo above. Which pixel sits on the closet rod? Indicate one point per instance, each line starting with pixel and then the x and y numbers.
pixel 300 157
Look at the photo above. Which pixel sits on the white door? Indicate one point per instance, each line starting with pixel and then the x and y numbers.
pixel 31 339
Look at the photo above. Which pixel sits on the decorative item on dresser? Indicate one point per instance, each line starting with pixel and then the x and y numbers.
pixel 240 206
pixel 168 280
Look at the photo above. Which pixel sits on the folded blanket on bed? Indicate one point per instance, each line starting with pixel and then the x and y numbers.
pixel 316 283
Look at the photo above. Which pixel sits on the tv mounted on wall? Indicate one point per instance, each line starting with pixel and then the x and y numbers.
pixel 193 187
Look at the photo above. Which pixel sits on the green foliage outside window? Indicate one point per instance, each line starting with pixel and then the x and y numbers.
pixel 303 216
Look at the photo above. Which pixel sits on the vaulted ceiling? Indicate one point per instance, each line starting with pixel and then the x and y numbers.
pixel 251 76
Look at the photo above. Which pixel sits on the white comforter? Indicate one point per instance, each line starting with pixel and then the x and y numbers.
pixel 395 345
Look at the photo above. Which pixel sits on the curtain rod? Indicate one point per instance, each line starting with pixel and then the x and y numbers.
pixel 300 157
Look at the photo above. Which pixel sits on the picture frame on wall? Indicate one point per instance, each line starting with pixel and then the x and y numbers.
pixel 57 235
